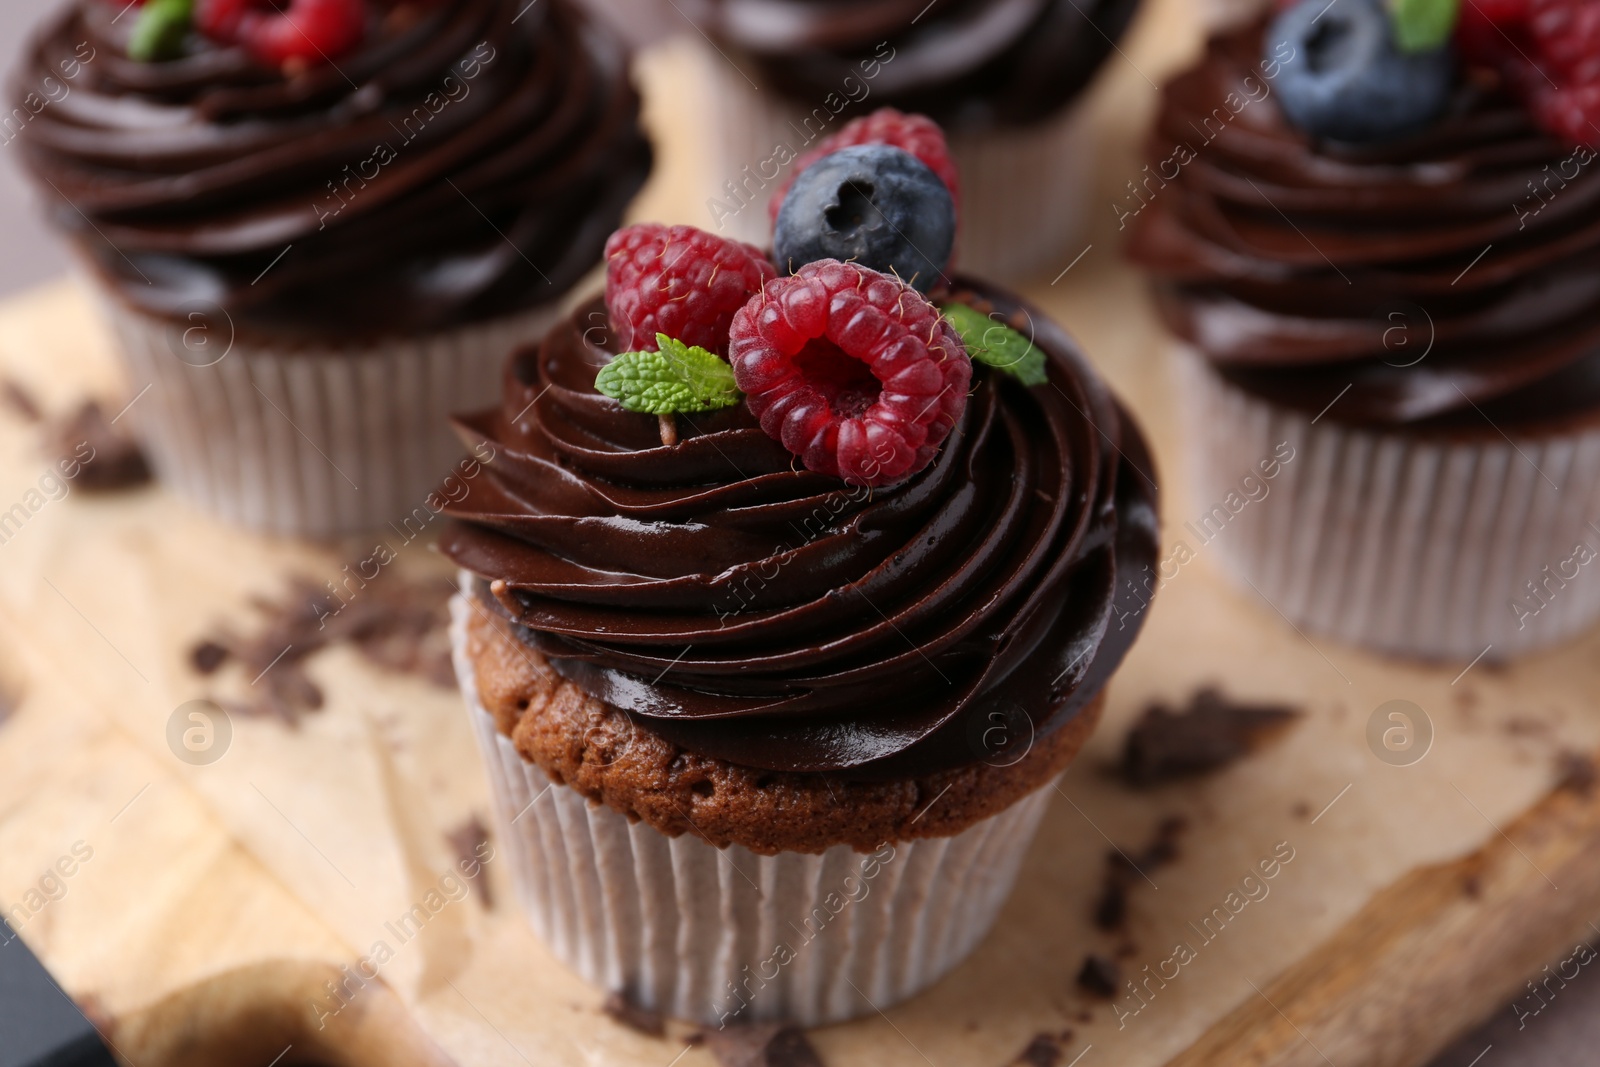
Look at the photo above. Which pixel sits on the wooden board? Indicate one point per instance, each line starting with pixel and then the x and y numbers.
pixel 1417 899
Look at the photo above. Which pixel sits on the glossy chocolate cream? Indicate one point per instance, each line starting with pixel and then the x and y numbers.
pixel 749 610
pixel 467 160
pixel 1448 279
pixel 965 63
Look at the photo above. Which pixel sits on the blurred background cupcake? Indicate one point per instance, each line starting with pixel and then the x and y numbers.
pixel 1003 78
pixel 774 659
pixel 317 227
pixel 1375 241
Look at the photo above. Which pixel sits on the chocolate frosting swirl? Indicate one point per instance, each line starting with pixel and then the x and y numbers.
pixel 1443 281
pixel 468 160
pixel 751 611
pixel 966 63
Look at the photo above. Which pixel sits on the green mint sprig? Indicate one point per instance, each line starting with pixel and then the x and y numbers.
pixel 997 345
pixel 1423 25
pixel 677 379
pixel 160 32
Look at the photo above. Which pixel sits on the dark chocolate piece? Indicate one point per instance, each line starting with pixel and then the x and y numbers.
pixel 1576 772
pixel 761 1045
pixel 106 457
pixel 395 621
pixel 1210 734
pixel 1100 977
pixel 623 1010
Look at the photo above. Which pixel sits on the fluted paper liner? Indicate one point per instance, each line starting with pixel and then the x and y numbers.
pixel 1420 545
pixel 314 441
pixel 724 936
pixel 1023 191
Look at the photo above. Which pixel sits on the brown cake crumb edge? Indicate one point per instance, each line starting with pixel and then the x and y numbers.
pixel 589 746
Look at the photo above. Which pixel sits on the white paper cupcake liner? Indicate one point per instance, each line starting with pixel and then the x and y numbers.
pixel 308 441
pixel 725 936
pixel 1415 545
pixel 1023 192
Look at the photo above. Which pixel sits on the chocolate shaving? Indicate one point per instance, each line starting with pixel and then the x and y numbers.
pixel 107 459
pixel 1045 1050
pixel 1210 734
pixel 643 1020
pixel 207 657
pixel 761 1045
pixel 468 841
pixel 1124 870
pixel 1100 977
pixel 1575 773
pixel 20 401
pixel 396 622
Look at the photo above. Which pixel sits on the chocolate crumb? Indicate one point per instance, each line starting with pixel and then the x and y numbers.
pixel 470 842
pixel 20 400
pixel 1100 977
pixel 1301 810
pixel 394 621
pixel 106 458
pixel 1575 773
pixel 761 1045
pixel 1210 734
pixel 1045 1050
pixel 1472 887
pixel 623 1010
pixel 206 656
pixel 1124 870
pixel 1042 1051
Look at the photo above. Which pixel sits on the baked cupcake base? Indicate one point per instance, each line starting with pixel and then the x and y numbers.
pixel 315 441
pixel 1423 545
pixel 726 935
pixel 1023 191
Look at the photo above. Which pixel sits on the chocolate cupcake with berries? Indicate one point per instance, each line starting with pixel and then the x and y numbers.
pixel 792 587
pixel 317 226
pixel 788 81
pixel 1372 232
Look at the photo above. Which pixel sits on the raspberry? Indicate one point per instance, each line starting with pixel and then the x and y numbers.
pixel 917 134
pixel 679 281
pixel 275 33
pixel 1548 53
pixel 854 371
pixel 1566 35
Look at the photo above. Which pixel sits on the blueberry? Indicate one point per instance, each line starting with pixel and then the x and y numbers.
pixel 1344 77
pixel 874 205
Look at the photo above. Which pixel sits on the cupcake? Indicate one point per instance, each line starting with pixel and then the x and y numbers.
pixel 1375 255
pixel 316 232
pixel 775 658
pixel 785 77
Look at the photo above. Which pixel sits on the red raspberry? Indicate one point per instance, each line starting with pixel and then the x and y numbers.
pixel 1566 36
pixel 679 281
pixel 274 33
pixel 917 134
pixel 853 370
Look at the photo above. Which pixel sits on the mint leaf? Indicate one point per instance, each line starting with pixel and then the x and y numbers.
pixel 1423 25
pixel 678 378
pixel 992 343
pixel 161 29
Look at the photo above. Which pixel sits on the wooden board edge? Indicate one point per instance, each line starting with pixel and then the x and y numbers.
pixel 1434 954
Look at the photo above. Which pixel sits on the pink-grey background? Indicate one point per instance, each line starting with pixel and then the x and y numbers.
pixel 1566 1034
